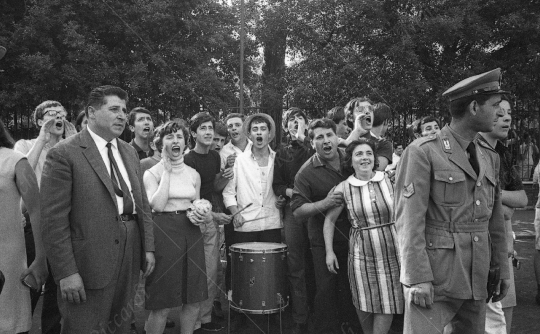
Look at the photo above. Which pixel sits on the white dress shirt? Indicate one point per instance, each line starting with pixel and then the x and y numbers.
pixel 103 150
pixel 229 149
pixel 247 187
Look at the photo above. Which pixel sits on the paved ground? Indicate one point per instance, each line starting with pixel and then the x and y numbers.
pixel 526 314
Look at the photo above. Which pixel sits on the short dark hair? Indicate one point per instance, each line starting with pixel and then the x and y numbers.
pixel 347 162
pixel 337 114
pixel 291 112
pixel 96 98
pixel 38 112
pixel 5 138
pixel 324 123
pixel 171 127
pixel 221 129
pixel 397 143
pixel 235 115
pixel 199 119
pixel 79 120
pixel 459 107
pixel 424 120
pixel 259 119
pixel 381 113
pixel 138 110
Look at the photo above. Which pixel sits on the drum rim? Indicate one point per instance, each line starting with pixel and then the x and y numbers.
pixel 274 310
pixel 236 249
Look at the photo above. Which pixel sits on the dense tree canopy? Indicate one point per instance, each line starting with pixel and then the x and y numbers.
pixel 180 56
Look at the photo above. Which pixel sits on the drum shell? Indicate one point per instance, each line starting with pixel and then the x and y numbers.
pixel 259 280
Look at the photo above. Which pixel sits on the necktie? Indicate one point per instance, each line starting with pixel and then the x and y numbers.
pixel 473 159
pixel 117 178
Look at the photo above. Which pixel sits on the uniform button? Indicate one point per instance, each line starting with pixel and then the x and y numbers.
pixel 450 178
pixel 116 241
pixel 475 238
pixel 476 220
pixel 478 184
pixel 430 244
pixel 478 202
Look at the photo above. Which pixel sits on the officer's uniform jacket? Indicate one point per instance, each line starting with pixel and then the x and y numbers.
pixel 449 221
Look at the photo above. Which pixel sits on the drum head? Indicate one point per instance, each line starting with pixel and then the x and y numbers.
pixel 258 247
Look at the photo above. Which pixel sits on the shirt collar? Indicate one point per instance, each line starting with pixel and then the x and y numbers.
pixel 374 135
pixel 317 162
pixel 464 143
pixel 100 142
pixel 134 144
pixel 378 177
pixel 272 153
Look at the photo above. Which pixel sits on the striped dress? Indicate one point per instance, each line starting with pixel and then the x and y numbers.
pixel 373 255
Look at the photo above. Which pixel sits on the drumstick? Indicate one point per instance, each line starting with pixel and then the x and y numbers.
pixel 247 221
pixel 245 207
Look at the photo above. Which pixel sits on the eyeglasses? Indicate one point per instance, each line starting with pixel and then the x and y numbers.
pixel 55 113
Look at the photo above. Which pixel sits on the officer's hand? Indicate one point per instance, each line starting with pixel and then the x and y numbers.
pixel 72 289
pixel 501 290
pixel 421 294
pixel 332 200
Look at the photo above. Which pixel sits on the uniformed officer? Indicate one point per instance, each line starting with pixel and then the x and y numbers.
pixel 449 215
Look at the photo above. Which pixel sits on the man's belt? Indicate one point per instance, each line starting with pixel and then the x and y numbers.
pixel 459 227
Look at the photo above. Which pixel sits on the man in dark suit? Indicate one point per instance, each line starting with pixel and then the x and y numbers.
pixel 97 226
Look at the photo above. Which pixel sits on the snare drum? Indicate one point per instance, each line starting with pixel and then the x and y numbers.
pixel 259 277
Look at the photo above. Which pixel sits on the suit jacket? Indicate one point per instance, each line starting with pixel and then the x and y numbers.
pixel 80 220
pixel 449 220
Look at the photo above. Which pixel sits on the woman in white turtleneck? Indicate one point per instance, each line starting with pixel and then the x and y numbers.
pixel 177 280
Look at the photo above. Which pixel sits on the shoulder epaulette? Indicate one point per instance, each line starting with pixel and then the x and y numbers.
pixel 422 140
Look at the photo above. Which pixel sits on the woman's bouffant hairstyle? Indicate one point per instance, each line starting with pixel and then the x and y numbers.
pixel 347 163
pixel 5 138
pixel 172 127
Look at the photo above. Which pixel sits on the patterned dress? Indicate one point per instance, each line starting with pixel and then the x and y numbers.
pixel 373 254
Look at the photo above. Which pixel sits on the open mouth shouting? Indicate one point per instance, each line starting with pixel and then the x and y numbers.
pixel 146 130
pixel 59 124
pixel 176 150
pixel 327 149
pixel 368 120
pixel 259 140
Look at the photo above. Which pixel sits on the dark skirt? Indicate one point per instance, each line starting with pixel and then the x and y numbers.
pixel 179 276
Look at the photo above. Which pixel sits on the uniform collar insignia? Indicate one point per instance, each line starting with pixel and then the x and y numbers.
pixel 446 144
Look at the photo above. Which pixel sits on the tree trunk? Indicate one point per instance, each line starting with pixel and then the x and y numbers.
pixel 273 77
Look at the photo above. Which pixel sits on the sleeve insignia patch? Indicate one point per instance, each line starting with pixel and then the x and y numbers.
pixel 408 191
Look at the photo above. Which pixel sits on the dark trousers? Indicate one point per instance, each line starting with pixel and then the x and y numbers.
pixel 296 238
pixel 334 309
pixel 50 314
pixel 109 310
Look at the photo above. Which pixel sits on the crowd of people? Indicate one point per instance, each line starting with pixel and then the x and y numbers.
pixel 386 231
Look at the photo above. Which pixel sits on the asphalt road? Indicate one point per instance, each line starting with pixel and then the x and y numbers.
pixel 526 313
